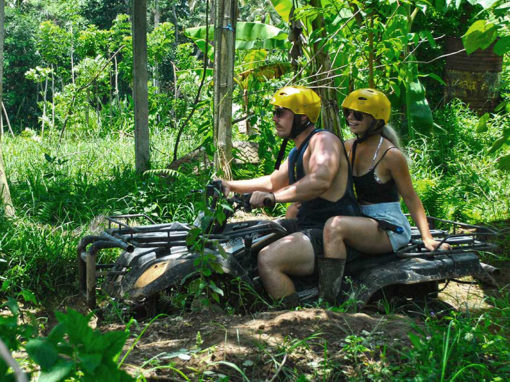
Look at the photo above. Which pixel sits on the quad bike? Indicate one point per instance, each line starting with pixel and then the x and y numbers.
pixel 157 257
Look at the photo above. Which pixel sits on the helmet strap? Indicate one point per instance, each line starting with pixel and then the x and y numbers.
pixel 281 153
pixel 298 126
pixel 373 129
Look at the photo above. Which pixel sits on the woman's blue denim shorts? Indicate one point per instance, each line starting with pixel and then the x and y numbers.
pixel 392 213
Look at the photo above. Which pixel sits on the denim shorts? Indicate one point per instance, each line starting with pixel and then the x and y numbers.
pixel 392 213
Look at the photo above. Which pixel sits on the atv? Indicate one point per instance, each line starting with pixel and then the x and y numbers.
pixel 157 258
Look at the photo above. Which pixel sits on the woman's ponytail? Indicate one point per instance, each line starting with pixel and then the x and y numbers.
pixel 391 135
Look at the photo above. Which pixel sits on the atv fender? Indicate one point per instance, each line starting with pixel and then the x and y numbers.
pixel 368 276
pixel 155 272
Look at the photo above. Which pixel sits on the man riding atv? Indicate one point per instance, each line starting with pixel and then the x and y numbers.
pixel 317 174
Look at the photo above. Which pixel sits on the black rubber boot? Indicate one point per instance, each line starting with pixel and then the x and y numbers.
pixel 291 301
pixel 331 273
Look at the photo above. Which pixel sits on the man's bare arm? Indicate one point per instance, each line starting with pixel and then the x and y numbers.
pixel 269 183
pixel 323 163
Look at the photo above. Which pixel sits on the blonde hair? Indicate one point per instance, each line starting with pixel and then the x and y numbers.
pixel 391 135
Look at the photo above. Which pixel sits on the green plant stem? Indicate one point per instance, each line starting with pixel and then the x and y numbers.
pixel 138 338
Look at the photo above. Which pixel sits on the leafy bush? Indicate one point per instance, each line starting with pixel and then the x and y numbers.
pixel 72 348
pixel 454 173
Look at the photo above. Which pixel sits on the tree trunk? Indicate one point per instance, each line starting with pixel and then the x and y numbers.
pixel 140 92
pixel 72 54
pixel 156 80
pixel 224 39
pixel 330 112
pixel 4 187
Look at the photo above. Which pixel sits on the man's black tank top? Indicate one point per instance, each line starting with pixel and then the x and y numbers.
pixel 369 190
pixel 314 213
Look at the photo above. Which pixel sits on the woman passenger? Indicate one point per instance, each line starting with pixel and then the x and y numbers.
pixel 381 176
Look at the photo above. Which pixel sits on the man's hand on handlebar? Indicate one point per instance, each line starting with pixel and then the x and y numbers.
pixel 262 199
pixel 225 188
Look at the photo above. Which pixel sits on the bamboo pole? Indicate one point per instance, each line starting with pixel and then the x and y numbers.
pixel 7 119
pixel 140 91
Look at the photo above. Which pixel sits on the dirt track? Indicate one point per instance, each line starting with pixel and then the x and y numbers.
pixel 281 345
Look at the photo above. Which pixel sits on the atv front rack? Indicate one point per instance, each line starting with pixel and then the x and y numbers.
pixel 138 240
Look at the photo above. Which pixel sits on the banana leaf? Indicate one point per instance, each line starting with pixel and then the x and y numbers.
pixel 418 108
pixel 283 8
pixel 249 35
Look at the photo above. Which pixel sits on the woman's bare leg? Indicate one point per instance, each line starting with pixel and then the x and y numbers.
pixel 359 233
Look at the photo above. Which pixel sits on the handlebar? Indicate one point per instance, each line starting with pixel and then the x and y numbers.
pixel 216 190
pixel 268 202
pixel 243 202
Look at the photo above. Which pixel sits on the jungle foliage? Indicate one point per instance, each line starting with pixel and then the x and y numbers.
pixel 70 161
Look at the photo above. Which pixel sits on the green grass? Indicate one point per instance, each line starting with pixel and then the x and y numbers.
pixel 458 347
pixel 58 191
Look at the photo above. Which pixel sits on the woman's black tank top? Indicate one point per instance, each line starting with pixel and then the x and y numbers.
pixel 314 213
pixel 369 190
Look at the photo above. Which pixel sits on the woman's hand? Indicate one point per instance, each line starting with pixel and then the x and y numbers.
pixel 432 245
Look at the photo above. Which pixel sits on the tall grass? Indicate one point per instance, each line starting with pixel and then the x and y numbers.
pixel 58 190
pixel 460 347
pixel 454 173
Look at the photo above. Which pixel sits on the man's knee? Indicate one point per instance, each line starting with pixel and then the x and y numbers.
pixel 334 228
pixel 265 259
pixel 293 253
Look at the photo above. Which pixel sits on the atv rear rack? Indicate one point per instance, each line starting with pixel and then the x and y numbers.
pixel 462 237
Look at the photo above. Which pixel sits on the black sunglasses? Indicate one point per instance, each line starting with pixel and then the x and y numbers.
pixel 358 115
pixel 278 112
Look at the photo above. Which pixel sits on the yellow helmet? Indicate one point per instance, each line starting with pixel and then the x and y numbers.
pixel 299 100
pixel 369 101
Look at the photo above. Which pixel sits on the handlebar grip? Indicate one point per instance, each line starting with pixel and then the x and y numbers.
pixel 214 187
pixel 268 202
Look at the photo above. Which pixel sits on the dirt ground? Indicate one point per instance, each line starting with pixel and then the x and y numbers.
pixel 310 344
pixel 278 345
pixel 306 345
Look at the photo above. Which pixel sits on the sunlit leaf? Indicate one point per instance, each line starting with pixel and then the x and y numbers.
pixel 434 76
pixel 480 35
pixel 419 108
pixel 283 8
pixel 215 288
pixel 28 296
pixel 482 123
pixel 254 58
pixel 486 3
pixel 504 163
pixel 497 144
